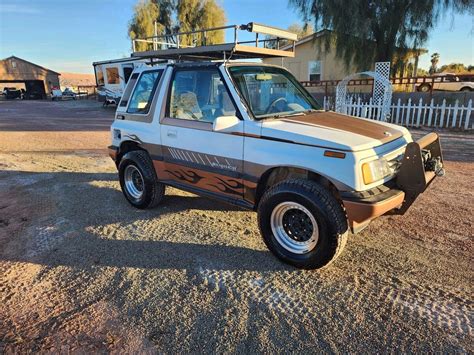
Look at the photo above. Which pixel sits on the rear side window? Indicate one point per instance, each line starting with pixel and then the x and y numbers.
pixel 145 88
pixel 128 90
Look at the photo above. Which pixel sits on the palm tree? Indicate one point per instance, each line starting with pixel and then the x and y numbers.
pixel 434 63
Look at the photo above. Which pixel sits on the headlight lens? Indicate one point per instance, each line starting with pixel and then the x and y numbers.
pixel 376 170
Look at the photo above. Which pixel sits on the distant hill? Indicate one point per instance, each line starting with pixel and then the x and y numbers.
pixel 76 79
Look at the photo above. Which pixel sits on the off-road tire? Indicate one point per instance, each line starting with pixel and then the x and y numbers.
pixel 153 190
pixel 327 210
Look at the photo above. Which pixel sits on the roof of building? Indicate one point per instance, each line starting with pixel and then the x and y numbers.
pixel 326 31
pixel 36 65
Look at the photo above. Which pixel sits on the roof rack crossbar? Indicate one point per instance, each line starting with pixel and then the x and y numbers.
pixel 193 45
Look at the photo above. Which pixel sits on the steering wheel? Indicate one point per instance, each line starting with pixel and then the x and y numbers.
pixel 274 103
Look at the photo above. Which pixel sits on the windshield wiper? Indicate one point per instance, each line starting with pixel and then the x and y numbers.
pixel 297 113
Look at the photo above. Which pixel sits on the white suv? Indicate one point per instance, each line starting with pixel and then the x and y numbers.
pixel 251 135
pixel 447 82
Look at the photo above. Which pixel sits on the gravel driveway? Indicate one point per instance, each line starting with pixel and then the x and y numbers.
pixel 81 270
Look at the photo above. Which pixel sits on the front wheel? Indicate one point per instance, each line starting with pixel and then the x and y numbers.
pixel 302 223
pixel 138 180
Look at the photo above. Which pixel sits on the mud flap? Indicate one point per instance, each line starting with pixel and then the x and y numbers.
pixel 421 163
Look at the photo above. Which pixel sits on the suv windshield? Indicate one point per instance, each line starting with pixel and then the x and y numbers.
pixel 271 91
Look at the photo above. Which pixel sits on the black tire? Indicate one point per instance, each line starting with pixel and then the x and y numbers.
pixel 152 191
pixel 424 87
pixel 466 89
pixel 326 210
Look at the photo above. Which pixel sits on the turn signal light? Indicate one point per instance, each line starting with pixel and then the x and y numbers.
pixel 333 154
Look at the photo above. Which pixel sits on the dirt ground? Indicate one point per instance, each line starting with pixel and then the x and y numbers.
pixel 81 270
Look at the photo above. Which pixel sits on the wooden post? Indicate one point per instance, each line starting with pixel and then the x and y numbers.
pixel 455 113
pixel 418 117
pixel 430 114
pixel 431 87
pixel 408 118
pixel 399 103
pixel 443 111
pixel 468 114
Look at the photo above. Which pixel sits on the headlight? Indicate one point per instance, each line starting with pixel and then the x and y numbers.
pixel 376 170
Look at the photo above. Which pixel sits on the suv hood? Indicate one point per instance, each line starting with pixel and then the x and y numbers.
pixel 333 130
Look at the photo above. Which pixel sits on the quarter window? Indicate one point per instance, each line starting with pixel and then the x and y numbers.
pixel 112 76
pixel 127 71
pixel 199 95
pixel 144 90
pixel 314 68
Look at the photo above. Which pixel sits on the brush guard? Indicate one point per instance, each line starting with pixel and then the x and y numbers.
pixel 421 163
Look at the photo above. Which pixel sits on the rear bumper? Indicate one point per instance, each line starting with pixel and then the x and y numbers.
pixel 414 176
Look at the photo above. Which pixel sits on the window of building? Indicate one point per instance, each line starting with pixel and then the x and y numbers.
pixel 112 75
pixel 314 69
pixel 200 95
pixel 13 64
pixel 100 76
pixel 144 91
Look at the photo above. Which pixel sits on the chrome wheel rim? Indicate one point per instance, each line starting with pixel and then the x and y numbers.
pixel 134 181
pixel 294 227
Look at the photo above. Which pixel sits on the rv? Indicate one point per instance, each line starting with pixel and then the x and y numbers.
pixel 111 77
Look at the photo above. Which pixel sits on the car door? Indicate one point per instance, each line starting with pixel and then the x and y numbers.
pixel 448 83
pixel 194 155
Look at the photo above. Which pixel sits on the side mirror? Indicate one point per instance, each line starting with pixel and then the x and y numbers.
pixel 225 124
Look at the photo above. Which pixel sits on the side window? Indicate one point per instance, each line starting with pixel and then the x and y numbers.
pixel 112 76
pixel 100 76
pixel 144 90
pixel 200 95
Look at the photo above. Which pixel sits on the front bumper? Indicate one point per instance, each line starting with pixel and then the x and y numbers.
pixel 421 163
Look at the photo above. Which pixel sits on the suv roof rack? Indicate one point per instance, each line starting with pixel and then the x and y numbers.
pixel 175 45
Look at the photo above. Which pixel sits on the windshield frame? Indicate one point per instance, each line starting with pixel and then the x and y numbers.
pixel 280 70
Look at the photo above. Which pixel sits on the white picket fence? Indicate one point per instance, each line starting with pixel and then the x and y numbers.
pixel 412 114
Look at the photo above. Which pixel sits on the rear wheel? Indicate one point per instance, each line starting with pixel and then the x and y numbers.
pixel 302 223
pixel 138 180
pixel 424 87
pixel 465 89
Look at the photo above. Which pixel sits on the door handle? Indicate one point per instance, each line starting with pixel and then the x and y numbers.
pixel 172 134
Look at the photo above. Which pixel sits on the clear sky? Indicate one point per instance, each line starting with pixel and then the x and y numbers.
pixel 67 36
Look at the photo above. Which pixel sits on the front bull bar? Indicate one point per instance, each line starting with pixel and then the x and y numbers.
pixel 421 163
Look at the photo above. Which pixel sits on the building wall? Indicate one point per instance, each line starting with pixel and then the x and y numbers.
pixel 22 71
pixel 332 68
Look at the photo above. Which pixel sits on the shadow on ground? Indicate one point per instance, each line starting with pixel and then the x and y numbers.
pixel 72 243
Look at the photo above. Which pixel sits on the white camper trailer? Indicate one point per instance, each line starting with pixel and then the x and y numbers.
pixel 111 77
